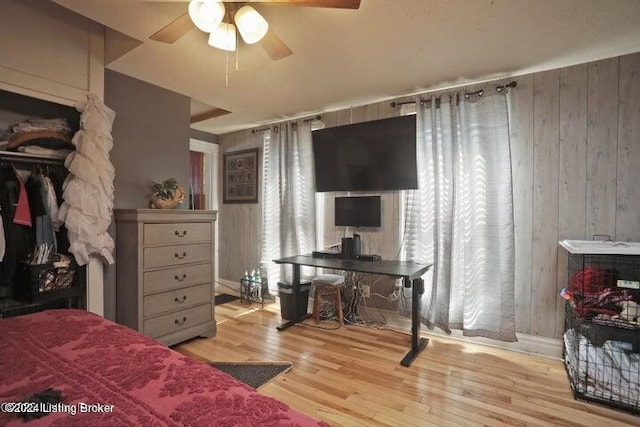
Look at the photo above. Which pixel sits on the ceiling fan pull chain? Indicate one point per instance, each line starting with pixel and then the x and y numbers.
pixel 226 71
pixel 237 52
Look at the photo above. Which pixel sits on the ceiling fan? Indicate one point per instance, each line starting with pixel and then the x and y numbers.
pixel 218 17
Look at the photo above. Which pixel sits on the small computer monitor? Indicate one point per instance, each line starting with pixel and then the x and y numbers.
pixel 359 211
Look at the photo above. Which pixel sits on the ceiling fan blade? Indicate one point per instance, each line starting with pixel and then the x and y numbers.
pixel 171 32
pixel 336 4
pixel 274 46
pixel 209 114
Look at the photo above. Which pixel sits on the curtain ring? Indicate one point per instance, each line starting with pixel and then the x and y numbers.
pixel 467 95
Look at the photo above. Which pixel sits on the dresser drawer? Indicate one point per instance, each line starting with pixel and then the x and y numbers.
pixel 173 234
pixel 177 299
pixel 174 322
pixel 165 256
pixel 176 278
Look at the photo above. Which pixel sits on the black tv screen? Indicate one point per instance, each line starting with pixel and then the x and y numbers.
pixel 369 156
pixel 360 211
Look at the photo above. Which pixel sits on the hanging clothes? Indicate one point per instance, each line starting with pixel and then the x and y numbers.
pixel 22 213
pixel 88 190
pixel 3 243
pixel 18 237
pixel 52 203
pixel 37 192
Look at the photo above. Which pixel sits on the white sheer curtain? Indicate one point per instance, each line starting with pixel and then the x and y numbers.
pixel 461 217
pixel 288 198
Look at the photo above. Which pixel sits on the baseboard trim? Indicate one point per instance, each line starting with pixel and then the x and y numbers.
pixel 224 286
pixel 530 344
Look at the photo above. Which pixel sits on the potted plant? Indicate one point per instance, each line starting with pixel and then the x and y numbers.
pixel 166 195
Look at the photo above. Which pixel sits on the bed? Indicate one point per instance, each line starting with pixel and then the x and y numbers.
pixel 110 375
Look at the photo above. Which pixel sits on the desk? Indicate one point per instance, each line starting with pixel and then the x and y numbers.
pixel 408 270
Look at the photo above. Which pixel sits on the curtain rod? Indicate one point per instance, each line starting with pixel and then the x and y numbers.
pixel 318 117
pixel 499 89
pixel 261 129
pixel 275 128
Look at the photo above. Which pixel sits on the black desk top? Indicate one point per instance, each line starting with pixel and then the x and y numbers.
pixel 409 269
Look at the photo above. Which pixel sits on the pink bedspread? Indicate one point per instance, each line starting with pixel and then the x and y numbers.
pixel 110 375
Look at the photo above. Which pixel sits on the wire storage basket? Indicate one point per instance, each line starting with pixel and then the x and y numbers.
pixel 602 362
pixel 602 332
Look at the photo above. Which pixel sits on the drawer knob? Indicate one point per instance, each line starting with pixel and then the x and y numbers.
pixel 180 234
pixel 177 255
pixel 180 301
pixel 180 278
pixel 180 322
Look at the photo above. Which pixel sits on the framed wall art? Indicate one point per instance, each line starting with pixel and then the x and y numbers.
pixel 240 176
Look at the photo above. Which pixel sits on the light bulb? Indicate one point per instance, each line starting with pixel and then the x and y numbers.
pixel 206 14
pixel 223 37
pixel 251 25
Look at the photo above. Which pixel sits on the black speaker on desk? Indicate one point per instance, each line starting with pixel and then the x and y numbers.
pixel 351 247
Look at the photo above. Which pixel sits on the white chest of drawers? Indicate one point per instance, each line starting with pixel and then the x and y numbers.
pixel 165 272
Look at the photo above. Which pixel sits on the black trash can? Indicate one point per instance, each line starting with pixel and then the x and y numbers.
pixel 293 305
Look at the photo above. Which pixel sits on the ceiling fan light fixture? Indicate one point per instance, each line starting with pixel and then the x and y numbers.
pixel 223 37
pixel 206 14
pixel 251 25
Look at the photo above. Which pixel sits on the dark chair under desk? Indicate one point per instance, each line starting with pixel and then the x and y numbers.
pixel 328 284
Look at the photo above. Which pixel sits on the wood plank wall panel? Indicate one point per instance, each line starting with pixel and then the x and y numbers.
pixel 628 197
pixel 575 146
pixel 239 225
pixel 343 117
pixel 330 119
pixel 385 110
pixel 572 169
pixel 333 234
pixel 357 114
pixel 573 152
pixel 521 128
pixel 545 201
pixel 602 148
pixel 383 240
pixel 371 112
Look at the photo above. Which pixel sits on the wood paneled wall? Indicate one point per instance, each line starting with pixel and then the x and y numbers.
pixel 239 225
pixel 585 145
pixel 575 154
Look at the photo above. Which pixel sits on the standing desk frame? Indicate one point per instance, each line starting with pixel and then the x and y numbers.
pixel 410 272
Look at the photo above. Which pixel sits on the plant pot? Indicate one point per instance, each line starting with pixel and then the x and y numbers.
pixel 160 203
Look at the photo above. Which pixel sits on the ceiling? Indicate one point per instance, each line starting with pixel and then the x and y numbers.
pixel 343 58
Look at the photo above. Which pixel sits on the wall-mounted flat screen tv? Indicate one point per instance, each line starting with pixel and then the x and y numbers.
pixel 359 211
pixel 369 156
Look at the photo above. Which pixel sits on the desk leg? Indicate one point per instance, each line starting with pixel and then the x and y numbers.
pixel 295 289
pixel 289 323
pixel 417 344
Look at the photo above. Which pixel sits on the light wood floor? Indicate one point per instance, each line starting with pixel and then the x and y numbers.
pixel 352 376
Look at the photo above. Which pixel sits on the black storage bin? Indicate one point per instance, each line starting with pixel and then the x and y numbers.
pixel 44 282
pixel 293 305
